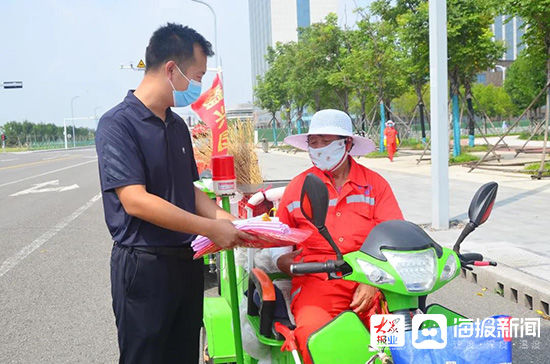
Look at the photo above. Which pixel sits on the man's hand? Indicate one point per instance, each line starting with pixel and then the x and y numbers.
pixel 285 260
pixel 362 297
pixel 224 234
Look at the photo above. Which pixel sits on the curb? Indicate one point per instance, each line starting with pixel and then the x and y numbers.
pixel 524 289
pixel 52 150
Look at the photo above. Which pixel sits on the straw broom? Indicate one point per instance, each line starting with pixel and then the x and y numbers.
pixel 202 144
pixel 241 146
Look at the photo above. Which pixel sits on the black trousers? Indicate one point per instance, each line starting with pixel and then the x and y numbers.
pixel 158 305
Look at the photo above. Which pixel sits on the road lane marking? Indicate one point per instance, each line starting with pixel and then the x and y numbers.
pixel 8 160
pixel 12 261
pixel 37 188
pixel 36 163
pixel 46 173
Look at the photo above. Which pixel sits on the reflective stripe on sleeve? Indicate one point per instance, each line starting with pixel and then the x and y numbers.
pixel 296 204
pixel 295 293
pixel 360 198
pixel 293 205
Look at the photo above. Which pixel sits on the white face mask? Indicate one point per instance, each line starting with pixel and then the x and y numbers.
pixel 330 157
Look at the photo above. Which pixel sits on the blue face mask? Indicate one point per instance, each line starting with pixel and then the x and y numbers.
pixel 187 97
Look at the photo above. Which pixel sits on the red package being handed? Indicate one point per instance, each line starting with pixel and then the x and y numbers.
pixel 270 234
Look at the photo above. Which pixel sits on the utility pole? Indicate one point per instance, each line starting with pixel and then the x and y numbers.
pixel 439 114
pixel 72 118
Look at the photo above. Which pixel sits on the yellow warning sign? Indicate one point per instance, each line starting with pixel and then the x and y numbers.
pixel 141 64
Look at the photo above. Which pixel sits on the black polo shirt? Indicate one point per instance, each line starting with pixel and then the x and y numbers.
pixel 136 147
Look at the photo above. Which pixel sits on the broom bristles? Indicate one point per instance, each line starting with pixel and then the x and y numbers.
pixel 240 146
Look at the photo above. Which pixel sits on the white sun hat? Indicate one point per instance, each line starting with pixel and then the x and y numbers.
pixel 390 122
pixel 332 122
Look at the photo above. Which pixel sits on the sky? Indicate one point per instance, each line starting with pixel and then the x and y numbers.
pixel 69 52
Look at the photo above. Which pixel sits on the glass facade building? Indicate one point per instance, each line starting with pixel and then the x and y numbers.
pixel 510 31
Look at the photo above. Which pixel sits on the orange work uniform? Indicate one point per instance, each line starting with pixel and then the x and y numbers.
pixel 391 140
pixel 364 201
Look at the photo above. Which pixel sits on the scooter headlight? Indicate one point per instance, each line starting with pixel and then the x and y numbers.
pixel 418 270
pixel 449 269
pixel 375 274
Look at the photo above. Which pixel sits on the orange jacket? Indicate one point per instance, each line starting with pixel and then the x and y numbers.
pixel 391 135
pixel 364 201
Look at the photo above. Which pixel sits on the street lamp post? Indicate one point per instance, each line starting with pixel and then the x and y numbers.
pixel 503 69
pixel 218 59
pixel 439 121
pixel 72 118
pixel 95 115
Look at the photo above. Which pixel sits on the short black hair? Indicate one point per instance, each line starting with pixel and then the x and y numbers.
pixel 174 42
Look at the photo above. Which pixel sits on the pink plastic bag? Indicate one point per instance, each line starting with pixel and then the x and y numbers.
pixel 270 234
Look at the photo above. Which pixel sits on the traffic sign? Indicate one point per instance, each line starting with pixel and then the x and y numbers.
pixel 12 84
pixel 141 64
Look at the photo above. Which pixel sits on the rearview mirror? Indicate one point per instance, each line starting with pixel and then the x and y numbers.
pixel 482 203
pixel 479 211
pixel 314 200
pixel 314 206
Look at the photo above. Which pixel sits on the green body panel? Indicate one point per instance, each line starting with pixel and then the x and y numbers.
pixel 396 293
pixel 219 331
pixel 255 323
pixel 347 333
pixel 398 301
pixel 277 356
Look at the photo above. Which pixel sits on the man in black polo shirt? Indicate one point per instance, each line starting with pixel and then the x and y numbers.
pixel 152 209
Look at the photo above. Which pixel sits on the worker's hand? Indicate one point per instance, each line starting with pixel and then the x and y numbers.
pixel 225 235
pixel 362 297
pixel 285 260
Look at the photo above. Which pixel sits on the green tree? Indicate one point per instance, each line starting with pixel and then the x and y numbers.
pixel 536 17
pixel 14 133
pixel 471 48
pixel 494 101
pixel 376 60
pixel 525 78
pixel 323 47
pixel 411 19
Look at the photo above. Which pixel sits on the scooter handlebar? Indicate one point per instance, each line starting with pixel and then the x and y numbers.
pixel 313 267
pixel 475 259
pixel 468 257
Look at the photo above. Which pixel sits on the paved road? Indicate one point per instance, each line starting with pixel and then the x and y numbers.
pixel 54 256
pixel 54 259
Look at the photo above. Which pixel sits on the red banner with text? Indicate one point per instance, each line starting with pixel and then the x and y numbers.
pixel 210 107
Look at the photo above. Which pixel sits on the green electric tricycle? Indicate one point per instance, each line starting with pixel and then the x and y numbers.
pixel 397 257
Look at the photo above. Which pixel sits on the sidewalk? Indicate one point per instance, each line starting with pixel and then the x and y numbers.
pixel 515 236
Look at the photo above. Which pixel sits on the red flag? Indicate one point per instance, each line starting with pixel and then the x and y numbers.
pixel 211 109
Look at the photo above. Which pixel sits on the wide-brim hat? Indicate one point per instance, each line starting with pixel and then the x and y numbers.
pixel 332 122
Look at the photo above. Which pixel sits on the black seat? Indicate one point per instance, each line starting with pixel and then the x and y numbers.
pixel 267 301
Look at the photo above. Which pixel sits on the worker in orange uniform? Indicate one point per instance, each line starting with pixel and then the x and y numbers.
pixel 391 140
pixel 359 199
